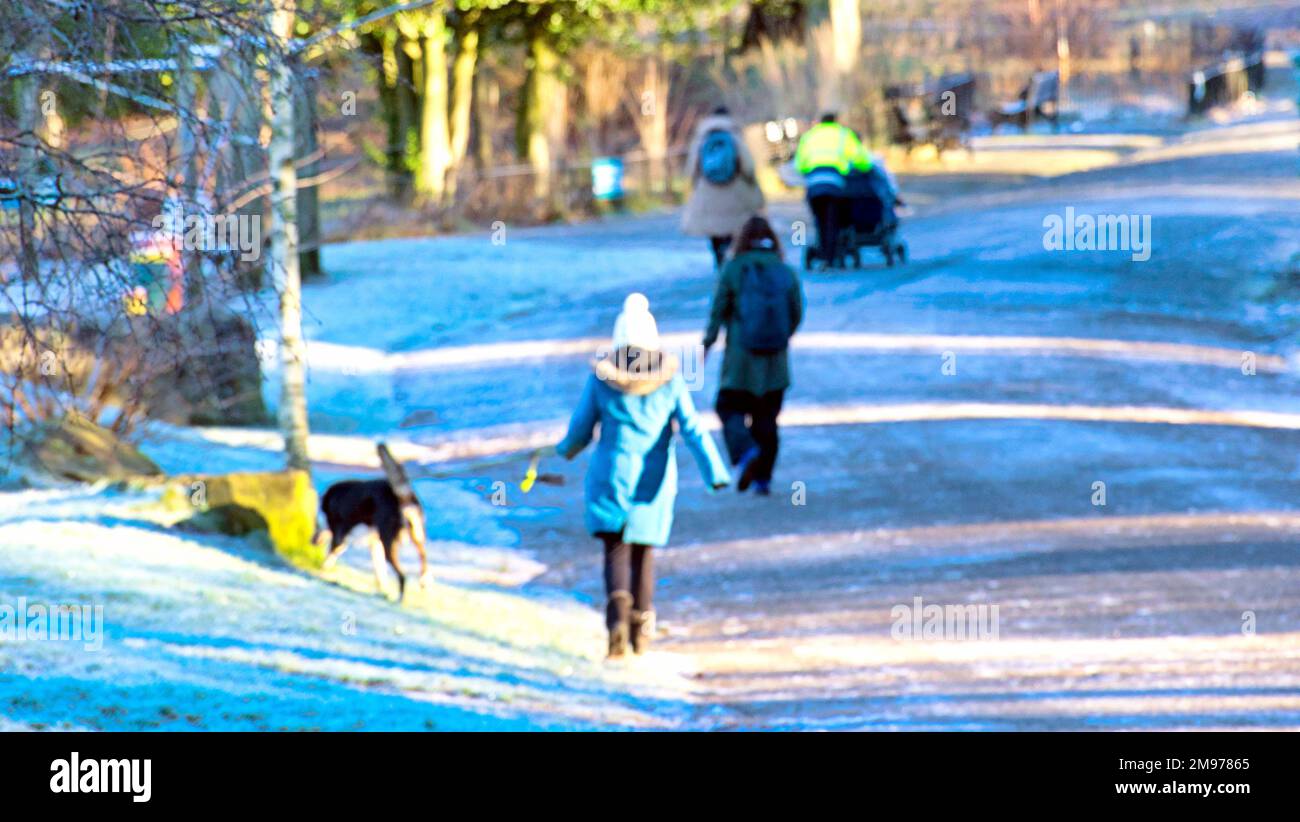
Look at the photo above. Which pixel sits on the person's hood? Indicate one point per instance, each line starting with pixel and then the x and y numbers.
pixel 635 371
pixel 716 121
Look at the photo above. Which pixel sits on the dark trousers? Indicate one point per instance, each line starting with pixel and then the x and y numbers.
pixel 630 570
pixel 733 408
pixel 826 214
pixel 720 246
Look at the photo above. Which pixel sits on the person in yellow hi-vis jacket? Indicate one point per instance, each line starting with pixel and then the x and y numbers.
pixel 827 153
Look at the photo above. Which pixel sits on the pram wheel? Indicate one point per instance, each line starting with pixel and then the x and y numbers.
pixel 846 252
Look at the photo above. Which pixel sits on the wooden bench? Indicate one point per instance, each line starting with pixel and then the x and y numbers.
pixel 1040 99
pixel 934 113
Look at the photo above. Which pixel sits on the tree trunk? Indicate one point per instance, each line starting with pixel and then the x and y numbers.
pixel 652 123
pixel 408 114
pixel 556 120
pixel 484 116
pixel 382 45
pixel 230 102
pixel 186 93
pixel 604 93
pixel 1062 58
pixel 846 24
pixel 435 138
pixel 308 203
pixel 28 109
pixel 110 34
pixel 539 91
pixel 462 94
pixel 283 256
pixel 846 43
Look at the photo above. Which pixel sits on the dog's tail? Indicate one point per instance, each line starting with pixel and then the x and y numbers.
pixel 396 475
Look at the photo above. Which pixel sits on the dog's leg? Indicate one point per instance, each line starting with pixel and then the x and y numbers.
pixel 377 562
pixel 390 551
pixel 415 527
pixel 425 575
pixel 338 545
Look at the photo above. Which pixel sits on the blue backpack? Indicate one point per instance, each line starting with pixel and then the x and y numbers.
pixel 719 161
pixel 763 305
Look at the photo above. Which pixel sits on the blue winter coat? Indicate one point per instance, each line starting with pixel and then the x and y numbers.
pixel 632 479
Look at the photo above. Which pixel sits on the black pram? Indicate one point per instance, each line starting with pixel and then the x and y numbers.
pixel 867 218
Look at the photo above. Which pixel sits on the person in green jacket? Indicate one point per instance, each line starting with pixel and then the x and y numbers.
pixel 759 300
pixel 826 154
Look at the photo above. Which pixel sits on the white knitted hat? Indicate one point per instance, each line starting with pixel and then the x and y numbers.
pixel 636 326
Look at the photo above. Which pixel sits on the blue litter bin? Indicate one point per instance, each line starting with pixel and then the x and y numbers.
pixel 607 179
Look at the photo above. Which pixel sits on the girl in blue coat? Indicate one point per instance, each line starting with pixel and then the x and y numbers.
pixel 635 394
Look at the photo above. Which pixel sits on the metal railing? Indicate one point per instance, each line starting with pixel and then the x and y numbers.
pixel 514 191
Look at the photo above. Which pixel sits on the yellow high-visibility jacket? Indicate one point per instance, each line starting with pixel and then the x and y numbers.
pixel 831 145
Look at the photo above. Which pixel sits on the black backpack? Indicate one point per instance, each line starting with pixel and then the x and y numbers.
pixel 763 305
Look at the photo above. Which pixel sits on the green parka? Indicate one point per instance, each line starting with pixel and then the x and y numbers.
pixel 742 369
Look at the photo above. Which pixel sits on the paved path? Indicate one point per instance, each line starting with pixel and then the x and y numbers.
pixel 978 487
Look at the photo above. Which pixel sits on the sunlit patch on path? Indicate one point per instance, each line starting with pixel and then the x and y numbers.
pixel 987 539
pixel 497 441
pixel 326 356
pixel 854 414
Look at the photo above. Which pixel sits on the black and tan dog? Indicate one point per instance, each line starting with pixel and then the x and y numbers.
pixel 387 506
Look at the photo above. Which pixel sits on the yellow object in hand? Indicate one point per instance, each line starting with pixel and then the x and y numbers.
pixel 530 476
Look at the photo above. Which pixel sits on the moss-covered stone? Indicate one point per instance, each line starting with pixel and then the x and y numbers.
pixel 281 503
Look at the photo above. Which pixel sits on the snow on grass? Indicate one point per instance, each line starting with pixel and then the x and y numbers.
pixel 453 288
pixel 209 632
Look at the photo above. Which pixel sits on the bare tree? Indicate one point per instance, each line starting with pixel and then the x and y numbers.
pixel 119 292
pixel 283 259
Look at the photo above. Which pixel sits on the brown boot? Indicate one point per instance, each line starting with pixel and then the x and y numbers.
pixel 617 616
pixel 642 624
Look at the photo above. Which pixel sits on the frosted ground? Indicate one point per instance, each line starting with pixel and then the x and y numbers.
pixel 970 488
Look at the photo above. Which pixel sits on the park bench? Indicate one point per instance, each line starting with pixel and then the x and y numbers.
pixel 1224 82
pixel 936 112
pixel 1038 100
